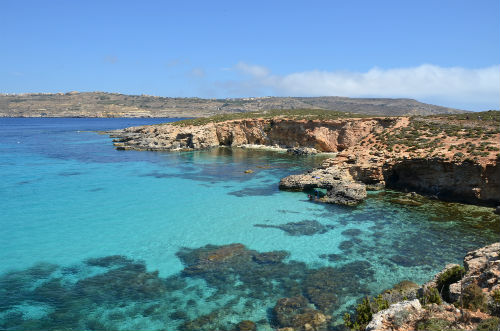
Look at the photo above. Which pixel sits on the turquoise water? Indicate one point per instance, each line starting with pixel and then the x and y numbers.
pixel 69 199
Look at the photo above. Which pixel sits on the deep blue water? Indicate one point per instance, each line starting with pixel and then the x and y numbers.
pixel 68 199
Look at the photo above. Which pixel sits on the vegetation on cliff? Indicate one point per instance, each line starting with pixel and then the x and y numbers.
pixel 293 114
pixel 452 137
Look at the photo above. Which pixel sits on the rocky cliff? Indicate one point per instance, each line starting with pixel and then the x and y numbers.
pixel 452 159
pixel 325 136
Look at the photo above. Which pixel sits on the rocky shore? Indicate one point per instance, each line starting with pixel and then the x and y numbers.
pixel 438 157
pixel 458 298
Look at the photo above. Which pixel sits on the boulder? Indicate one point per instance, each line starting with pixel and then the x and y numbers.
pixel 381 319
pixel 345 193
pixel 317 178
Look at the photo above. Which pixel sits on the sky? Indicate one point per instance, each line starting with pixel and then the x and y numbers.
pixel 444 52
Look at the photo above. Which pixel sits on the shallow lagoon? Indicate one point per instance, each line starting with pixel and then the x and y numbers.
pixel 69 200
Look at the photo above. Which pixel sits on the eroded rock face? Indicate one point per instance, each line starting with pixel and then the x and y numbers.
pixel 341 189
pixel 482 268
pixel 447 180
pixel 308 136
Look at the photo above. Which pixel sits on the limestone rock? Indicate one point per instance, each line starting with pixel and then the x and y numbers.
pixel 345 193
pixel 380 319
pixel 482 268
pixel 317 178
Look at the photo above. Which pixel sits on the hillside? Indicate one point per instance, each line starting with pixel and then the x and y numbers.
pixel 101 104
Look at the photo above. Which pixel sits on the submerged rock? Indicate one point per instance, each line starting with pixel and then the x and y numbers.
pixel 131 282
pixel 270 257
pixel 108 261
pixel 303 228
pixel 296 313
pixel 246 326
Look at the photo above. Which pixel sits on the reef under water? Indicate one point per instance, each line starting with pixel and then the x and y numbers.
pixel 99 239
pixel 219 287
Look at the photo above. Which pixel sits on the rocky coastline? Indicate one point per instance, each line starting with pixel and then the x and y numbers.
pixel 372 153
pixel 458 298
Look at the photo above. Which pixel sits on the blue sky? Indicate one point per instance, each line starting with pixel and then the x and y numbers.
pixel 442 52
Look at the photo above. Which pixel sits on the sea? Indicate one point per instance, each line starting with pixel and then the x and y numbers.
pixel 94 238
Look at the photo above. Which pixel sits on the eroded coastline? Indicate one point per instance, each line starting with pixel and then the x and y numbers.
pixel 436 157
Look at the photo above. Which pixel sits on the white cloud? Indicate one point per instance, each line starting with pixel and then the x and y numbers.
pixel 446 85
pixel 252 70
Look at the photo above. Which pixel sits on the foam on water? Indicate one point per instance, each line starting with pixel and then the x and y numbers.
pixel 67 195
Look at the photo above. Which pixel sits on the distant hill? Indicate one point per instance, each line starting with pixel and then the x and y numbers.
pixel 102 104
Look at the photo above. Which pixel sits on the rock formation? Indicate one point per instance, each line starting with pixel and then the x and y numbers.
pixel 324 136
pixel 439 157
pixel 483 269
pixel 477 309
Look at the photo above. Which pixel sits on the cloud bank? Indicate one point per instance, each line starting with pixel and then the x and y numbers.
pixel 452 86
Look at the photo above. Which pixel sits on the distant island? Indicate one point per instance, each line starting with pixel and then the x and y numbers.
pixel 102 104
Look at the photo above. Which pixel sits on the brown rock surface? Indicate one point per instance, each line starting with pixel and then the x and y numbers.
pixel 483 269
pixel 441 157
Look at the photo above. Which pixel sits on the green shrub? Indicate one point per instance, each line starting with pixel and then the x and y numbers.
pixel 490 324
pixel 430 296
pixel 447 278
pixel 433 324
pixel 364 312
pixel 474 298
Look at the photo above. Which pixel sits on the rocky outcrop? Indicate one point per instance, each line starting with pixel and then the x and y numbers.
pixel 341 189
pixel 483 269
pixel 324 136
pixel 382 318
pixel 345 193
pixel 317 178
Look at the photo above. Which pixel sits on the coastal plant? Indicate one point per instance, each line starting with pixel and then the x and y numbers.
pixel 430 295
pixel 433 324
pixel 474 298
pixel 364 312
pixel 447 278
pixel 489 324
